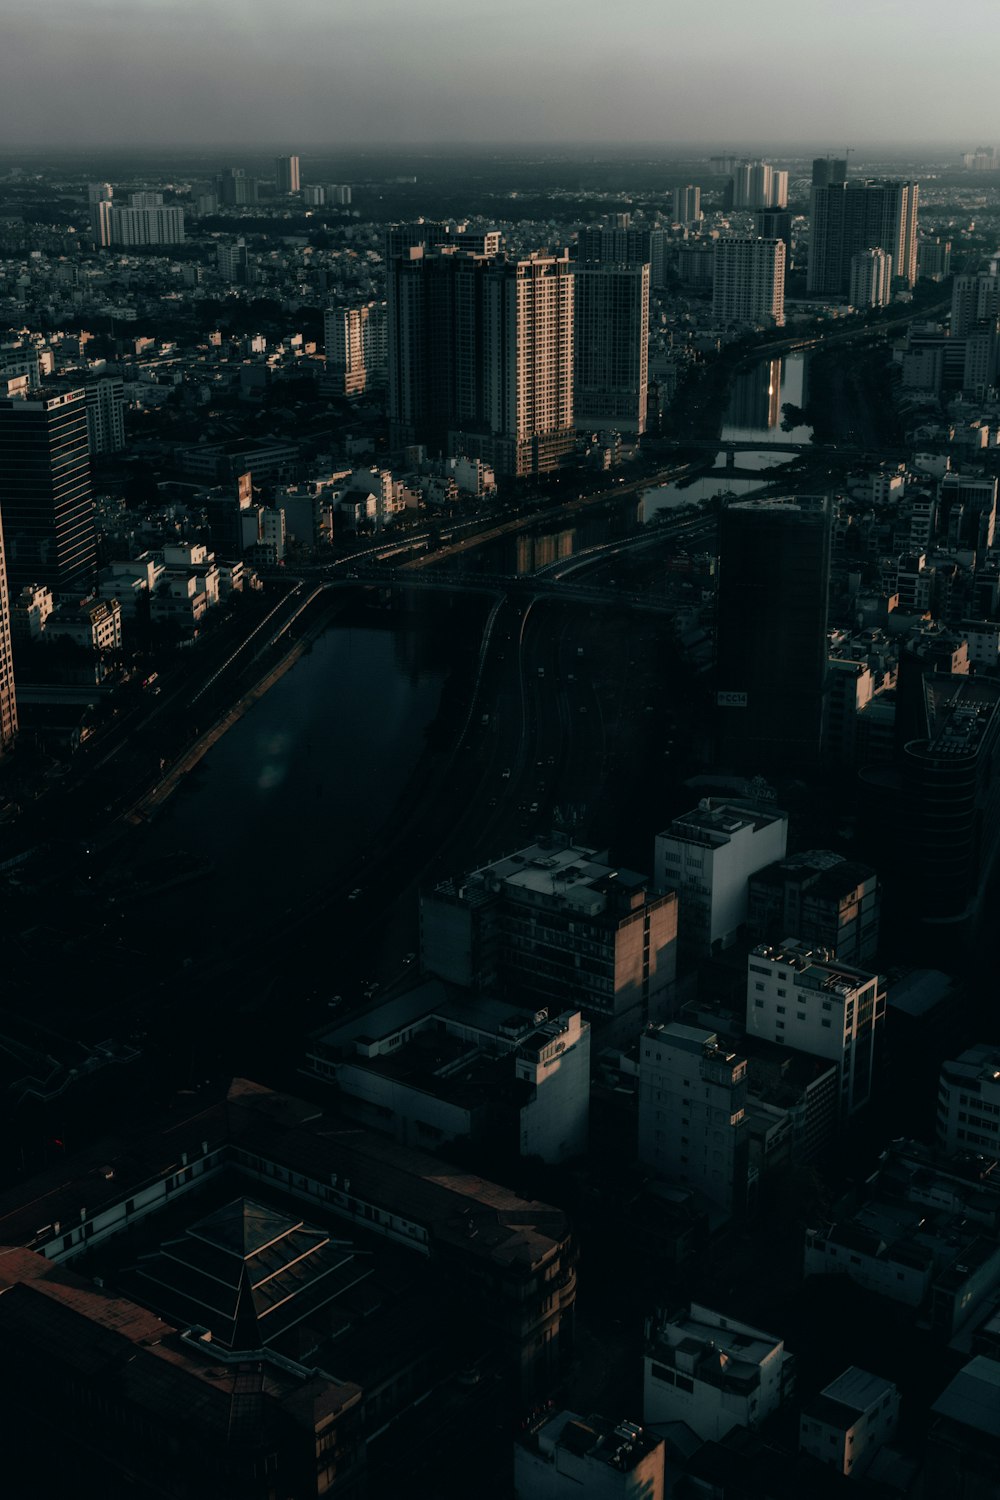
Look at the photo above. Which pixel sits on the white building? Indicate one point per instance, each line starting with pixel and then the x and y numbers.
pixel 356 341
pixel 713 1373
pixel 692 1112
pixel 748 285
pixel 968 1105
pixel 708 856
pixel 871 279
pixel 95 624
pixel 809 1001
pixel 588 1460
pixel 143 223
pixel 848 1422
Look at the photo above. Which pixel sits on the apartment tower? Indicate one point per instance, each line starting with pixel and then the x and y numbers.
pixel 45 494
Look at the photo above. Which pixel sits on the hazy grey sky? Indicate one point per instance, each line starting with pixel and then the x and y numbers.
pixel 295 73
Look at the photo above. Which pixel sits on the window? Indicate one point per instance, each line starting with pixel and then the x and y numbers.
pixel 781 1010
pixel 782 993
pixel 826 1024
pixel 800 1015
pixel 684 1384
pixel 759 1004
pixel 758 986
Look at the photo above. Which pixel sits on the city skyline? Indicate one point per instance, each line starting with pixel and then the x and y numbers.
pixel 314 77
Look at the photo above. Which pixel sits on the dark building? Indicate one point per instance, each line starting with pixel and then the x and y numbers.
pixel 774 224
pixel 827 170
pixel 849 217
pixel 771 647
pixel 45 492
pixel 826 900
pixel 235 188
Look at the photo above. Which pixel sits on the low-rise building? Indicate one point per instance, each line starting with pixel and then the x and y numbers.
pixel 713 1373
pixel 963 1438
pixel 968 1102
pixel 559 924
pixel 588 1459
pixel 828 901
pixel 427 1068
pixel 94 624
pixel 708 856
pixel 849 1421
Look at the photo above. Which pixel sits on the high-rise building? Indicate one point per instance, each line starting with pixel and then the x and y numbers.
pixel 849 217
pixel 687 204
pixel 756 184
pixel 106 414
pixel 236 188
pixel 8 698
pixel 827 170
pixel 625 246
pixel 771 646
pixel 975 300
pixel 286 170
pixel 99 198
pixel 748 285
pixel 810 1001
pixel 146 221
pixel 775 224
pixel 933 258
pixel 692 1112
pixel 871 279
pixel 356 346
pixel 45 493
pixel 611 346
pixel 233 261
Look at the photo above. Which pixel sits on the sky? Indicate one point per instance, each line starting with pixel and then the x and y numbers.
pixel 301 73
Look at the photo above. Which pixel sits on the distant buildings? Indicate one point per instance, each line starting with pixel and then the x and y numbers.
pixel 713 1373
pixel 827 170
pixel 814 1003
pixel 692 1113
pixel 847 218
pixel 771 646
pixel 45 491
pixel 560 924
pixel 748 285
pixel 687 204
pixel 286 172
pixel 105 414
pixel 756 184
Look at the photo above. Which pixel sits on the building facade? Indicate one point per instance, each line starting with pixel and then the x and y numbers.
pixel 8 697
pixel 611 346
pixel 748 285
pixel 847 218
pixel 106 414
pixel 286 172
pixel 968 1103
pixel 356 346
pixel 692 1113
pixel 812 1003
pixel 849 1421
pixel 45 491
pixel 871 279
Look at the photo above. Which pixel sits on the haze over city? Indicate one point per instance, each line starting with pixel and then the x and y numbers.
pixel 307 73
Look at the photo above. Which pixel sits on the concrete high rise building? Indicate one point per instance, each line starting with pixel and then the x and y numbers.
pixel 827 170
pixel 355 343
pixel 687 204
pixel 756 184
pixel 775 224
pixel 771 645
pixel 233 261
pixel 146 221
pixel 850 217
pixel 99 196
pixel 286 171
pixel 625 246
pixel 106 414
pixel 45 492
pixel 611 346
pixel 8 698
pixel 871 279
pixel 235 188
pixel 748 284
pixel 975 300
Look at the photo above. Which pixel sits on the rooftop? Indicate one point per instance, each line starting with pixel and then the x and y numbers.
pixel 973 1397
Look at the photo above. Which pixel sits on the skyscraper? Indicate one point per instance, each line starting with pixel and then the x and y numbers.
pixel 625 247
pixel 146 221
pixel 828 169
pixel 355 342
pixel 8 701
pixel 611 346
pixel 286 169
pixel 756 184
pixel 106 414
pixel 99 198
pixel 849 217
pixel 749 282
pixel 45 494
pixel 687 204
pixel 771 647
pixel 235 187
pixel 871 279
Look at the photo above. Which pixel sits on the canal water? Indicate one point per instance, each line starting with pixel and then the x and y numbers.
pixel 292 793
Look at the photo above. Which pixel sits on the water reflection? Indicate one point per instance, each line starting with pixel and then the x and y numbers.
pixel 754 413
pixel 667 497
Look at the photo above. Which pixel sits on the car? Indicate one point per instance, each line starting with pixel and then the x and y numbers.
pixel 533 808
pixel 355 894
pixel 505 774
pixel 409 958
